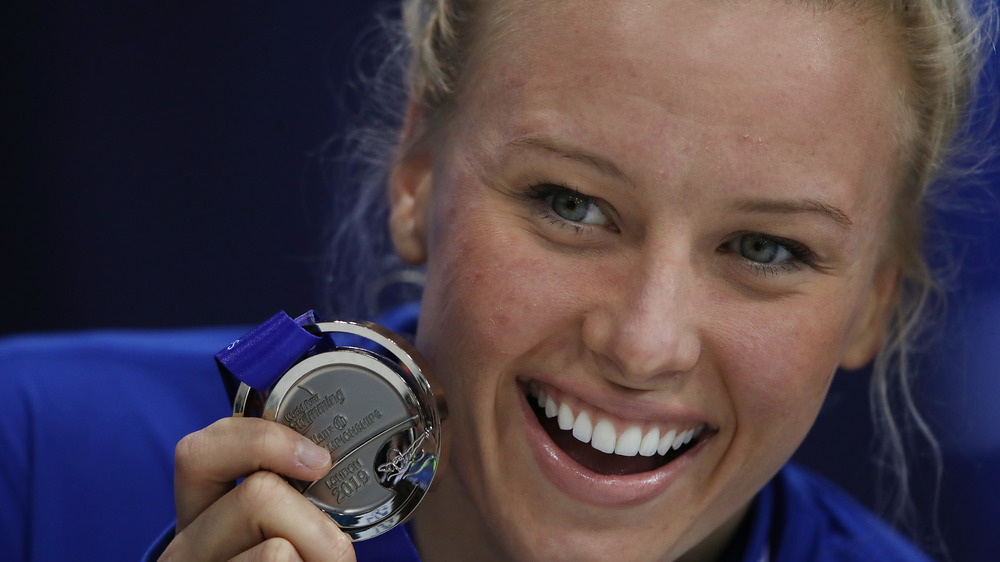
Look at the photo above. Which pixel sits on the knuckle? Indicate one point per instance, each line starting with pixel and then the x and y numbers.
pixel 334 541
pixel 190 452
pixel 278 549
pixel 261 488
pixel 341 548
pixel 272 437
pixel 194 448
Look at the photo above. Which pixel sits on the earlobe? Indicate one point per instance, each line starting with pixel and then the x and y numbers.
pixel 410 184
pixel 869 333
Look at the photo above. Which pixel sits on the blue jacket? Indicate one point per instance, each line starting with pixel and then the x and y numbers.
pixel 90 421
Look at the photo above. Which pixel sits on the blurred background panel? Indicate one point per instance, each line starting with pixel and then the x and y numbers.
pixel 161 162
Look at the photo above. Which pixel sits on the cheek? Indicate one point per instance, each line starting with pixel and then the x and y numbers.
pixel 492 296
pixel 492 286
pixel 475 297
pixel 782 362
pixel 485 298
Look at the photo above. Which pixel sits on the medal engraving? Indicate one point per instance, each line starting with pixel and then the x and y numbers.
pixel 301 417
pixel 347 480
pixel 323 413
pixel 355 430
pixel 377 416
pixel 399 463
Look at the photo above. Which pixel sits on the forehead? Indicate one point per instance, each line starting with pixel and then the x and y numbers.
pixel 757 73
pixel 673 46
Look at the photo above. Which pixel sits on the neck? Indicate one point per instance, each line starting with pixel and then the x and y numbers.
pixel 448 526
pixel 713 547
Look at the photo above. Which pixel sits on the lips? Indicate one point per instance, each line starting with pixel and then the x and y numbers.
pixel 610 446
pixel 609 479
pixel 659 443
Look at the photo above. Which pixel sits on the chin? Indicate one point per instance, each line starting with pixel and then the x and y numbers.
pixel 553 497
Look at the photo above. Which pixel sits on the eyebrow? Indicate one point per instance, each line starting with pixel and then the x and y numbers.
pixel 603 165
pixel 794 206
pixel 611 170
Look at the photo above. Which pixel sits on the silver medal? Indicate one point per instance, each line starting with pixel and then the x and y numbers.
pixel 377 414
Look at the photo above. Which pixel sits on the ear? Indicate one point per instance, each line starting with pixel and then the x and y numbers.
pixel 869 333
pixel 410 182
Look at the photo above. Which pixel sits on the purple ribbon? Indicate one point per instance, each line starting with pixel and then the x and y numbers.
pixel 261 356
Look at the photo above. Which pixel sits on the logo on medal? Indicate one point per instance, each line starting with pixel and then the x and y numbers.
pixel 399 463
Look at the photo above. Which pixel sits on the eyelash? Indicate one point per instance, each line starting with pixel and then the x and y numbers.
pixel 540 192
pixel 801 255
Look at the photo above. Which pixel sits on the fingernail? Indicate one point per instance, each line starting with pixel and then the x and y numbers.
pixel 311 455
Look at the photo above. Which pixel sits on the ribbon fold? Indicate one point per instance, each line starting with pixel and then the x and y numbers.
pixel 261 356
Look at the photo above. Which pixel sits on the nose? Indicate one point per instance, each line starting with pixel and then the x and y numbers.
pixel 646 327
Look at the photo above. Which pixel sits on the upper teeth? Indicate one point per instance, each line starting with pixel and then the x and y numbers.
pixel 605 438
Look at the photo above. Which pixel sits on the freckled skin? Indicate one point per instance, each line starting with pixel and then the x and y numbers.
pixel 698 107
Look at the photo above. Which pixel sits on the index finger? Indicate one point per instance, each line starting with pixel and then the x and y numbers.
pixel 207 463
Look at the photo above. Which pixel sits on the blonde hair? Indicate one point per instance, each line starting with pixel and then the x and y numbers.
pixel 942 42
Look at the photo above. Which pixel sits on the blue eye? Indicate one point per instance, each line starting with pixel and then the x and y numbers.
pixel 573 207
pixel 762 249
pixel 766 254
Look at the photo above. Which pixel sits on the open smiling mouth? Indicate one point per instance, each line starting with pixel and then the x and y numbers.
pixel 599 446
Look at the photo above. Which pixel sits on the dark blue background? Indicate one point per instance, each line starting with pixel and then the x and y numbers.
pixel 162 160
pixel 162 166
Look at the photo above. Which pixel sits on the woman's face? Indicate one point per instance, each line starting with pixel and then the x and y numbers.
pixel 667 219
